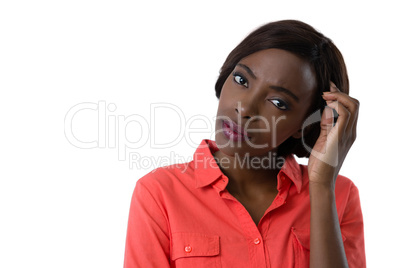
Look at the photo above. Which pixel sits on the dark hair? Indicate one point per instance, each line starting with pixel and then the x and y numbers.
pixel 303 40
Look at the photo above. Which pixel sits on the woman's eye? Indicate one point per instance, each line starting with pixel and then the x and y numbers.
pixel 280 104
pixel 240 80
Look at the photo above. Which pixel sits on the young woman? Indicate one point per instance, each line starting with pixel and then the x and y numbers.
pixel 244 201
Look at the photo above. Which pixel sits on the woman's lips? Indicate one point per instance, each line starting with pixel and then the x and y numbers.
pixel 233 131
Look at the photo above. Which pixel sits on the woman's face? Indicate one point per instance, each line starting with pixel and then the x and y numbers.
pixel 264 102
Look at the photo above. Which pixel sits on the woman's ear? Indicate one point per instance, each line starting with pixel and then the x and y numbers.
pixel 301 132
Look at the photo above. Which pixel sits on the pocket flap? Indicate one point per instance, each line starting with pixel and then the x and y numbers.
pixel 194 244
pixel 303 237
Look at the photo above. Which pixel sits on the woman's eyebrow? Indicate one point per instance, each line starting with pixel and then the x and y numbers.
pixel 248 70
pixel 277 88
pixel 286 91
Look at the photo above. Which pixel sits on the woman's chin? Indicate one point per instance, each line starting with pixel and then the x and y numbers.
pixel 240 148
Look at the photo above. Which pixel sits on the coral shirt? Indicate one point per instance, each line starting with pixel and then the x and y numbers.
pixel 182 216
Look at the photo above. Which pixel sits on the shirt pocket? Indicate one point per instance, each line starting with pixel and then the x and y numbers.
pixel 301 247
pixel 195 250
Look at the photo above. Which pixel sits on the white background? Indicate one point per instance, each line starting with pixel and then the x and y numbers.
pixel 63 206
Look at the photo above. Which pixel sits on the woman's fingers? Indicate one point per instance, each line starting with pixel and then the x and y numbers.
pixel 342 123
pixel 327 121
pixel 333 87
pixel 356 116
pixel 347 108
pixel 352 105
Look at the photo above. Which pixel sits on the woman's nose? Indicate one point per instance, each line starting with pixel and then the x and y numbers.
pixel 245 109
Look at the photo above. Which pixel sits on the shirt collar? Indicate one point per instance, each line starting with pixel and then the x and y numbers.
pixel 207 170
pixel 292 171
pixel 205 166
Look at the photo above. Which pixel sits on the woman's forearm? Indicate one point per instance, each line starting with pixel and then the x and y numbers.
pixel 326 244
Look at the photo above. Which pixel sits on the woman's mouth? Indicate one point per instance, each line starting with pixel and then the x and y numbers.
pixel 233 131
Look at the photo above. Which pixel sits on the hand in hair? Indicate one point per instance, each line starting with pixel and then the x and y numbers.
pixel 335 140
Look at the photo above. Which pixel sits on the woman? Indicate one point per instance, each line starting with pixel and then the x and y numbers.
pixel 244 201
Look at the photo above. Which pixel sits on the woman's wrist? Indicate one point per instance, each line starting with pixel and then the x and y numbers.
pixel 323 181
pixel 321 186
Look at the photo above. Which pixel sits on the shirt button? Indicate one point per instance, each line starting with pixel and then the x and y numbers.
pixel 257 241
pixel 188 249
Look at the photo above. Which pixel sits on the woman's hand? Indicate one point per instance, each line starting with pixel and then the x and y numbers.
pixel 334 141
pixel 327 156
